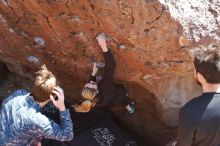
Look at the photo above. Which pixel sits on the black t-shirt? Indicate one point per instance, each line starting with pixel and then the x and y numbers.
pixel 110 93
pixel 199 121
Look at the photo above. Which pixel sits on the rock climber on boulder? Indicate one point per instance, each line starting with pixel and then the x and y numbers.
pixel 106 93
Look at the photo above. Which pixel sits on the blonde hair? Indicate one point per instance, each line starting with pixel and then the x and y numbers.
pixel 44 84
pixel 89 94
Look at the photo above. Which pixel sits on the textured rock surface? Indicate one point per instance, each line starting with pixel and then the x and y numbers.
pixel 154 66
pixel 3 71
pixel 200 19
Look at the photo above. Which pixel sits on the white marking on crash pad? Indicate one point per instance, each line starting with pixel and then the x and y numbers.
pixel 103 136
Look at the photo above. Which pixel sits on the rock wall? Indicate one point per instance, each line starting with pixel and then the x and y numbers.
pixel 200 19
pixel 152 56
pixel 3 71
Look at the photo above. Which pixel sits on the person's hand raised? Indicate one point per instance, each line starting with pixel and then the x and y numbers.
pixel 94 69
pixel 101 38
pixel 59 102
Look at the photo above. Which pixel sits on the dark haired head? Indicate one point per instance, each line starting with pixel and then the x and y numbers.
pixel 207 62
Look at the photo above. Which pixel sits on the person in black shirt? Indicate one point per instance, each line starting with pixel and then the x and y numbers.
pixel 106 93
pixel 199 119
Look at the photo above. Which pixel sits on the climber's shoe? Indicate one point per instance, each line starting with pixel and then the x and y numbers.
pixel 131 108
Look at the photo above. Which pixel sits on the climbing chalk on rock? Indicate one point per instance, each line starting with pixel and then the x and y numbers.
pixel 101 36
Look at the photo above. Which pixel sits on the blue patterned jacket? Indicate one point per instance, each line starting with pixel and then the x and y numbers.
pixel 22 124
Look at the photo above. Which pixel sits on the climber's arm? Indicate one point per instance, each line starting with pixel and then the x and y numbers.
pixel 94 72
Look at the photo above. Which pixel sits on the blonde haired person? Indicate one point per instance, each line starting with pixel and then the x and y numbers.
pixel 44 84
pixel 26 125
pixel 107 93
